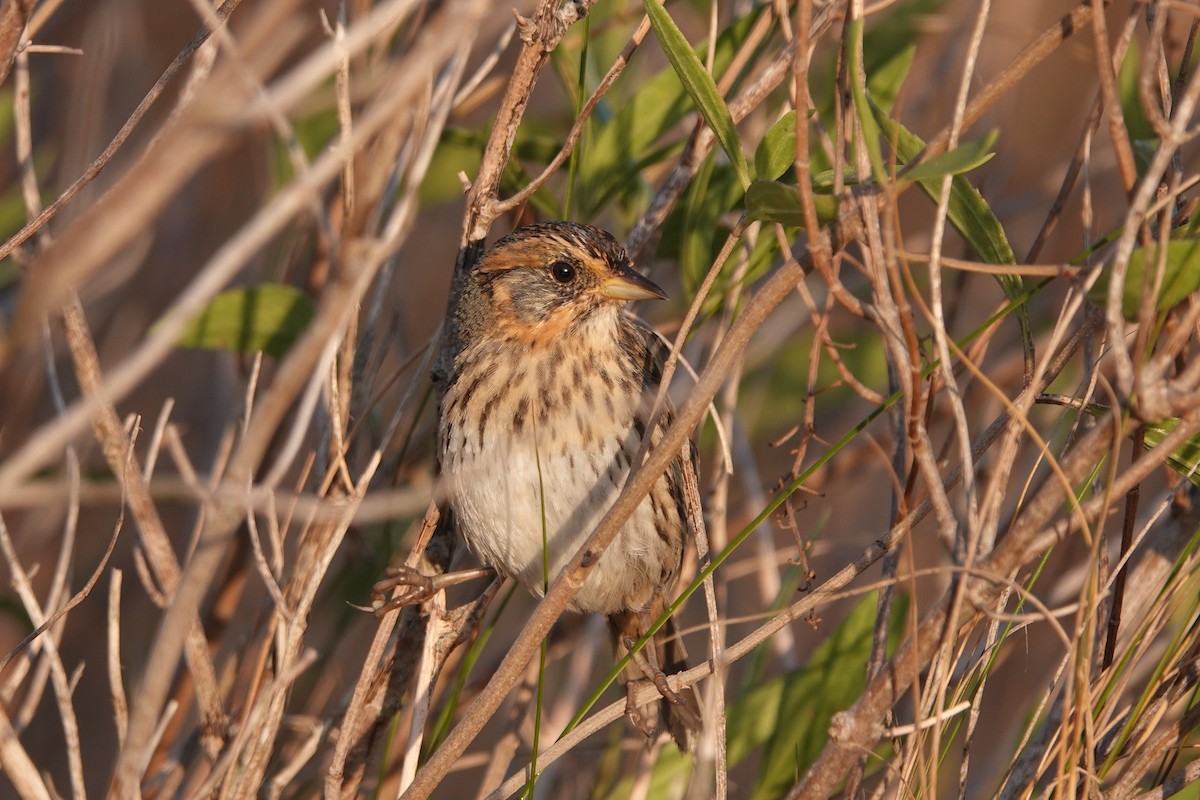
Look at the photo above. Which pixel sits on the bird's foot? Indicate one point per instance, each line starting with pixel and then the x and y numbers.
pixel 406 586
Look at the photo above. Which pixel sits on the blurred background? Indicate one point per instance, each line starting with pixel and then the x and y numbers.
pixel 262 115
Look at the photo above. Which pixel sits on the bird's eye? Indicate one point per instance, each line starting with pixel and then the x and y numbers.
pixel 562 271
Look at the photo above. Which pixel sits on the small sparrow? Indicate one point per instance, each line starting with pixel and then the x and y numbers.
pixel 545 406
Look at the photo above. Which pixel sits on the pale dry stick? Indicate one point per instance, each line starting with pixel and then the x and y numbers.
pixel 317 552
pixel 1030 536
pixel 214 785
pixel 18 766
pixel 286 775
pixel 77 598
pixel 365 689
pixel 971 543
pixel 798 610
pixel 540 34
pixel 220 268
pixel 1022 64
pixel 265 573
pixel 1149 392
pixel 156 439
pixel 118 452
pixel 497 206
pixel 306 407
pixel 58 674
pixel 571 579
pixel 14 18
pixel 713 739
pixel 54 599
pixel 116 685
pixel 971 539
pixel 990 641
pixel 345 117
pixel 802 160
pixel 714 733
pixel 1110 98
pixel 703 139
pixel 22 130
pixel 101 161
pixel 423 685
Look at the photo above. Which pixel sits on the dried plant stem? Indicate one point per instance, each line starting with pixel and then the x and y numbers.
pixel 573 575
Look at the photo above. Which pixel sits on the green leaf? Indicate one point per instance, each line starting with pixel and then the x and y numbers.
pixel 269 317
pixel 963 158
pixel 789 714
pixel 886 76
pixel 627 130
pixel 1185 460
pixel 772 201
pixel 968 213
pixel 794 712
pixel 1128 78
pixel 1181 276
pixel 699 84
pixel 777 150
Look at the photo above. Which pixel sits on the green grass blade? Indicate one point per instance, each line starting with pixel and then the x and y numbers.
pixel 699 85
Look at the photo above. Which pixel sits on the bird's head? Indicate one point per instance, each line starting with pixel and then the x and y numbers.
pixel 547 280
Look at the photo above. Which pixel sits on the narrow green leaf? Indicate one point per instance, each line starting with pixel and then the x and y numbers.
pixel 1181 276
pixel 963 158
pixel 628 130
pixel 969 213
pixel 789 715
pixel 699 84
pixel 772 201
pixel 777 150
pixel 269 317
pixel 886 75
pixel 796 714
pixel 1185 460
pixel 853 43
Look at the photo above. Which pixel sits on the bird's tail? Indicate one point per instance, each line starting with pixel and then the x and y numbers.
pixel 678 710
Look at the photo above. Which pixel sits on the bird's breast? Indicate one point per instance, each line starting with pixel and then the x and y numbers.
pixel 534 452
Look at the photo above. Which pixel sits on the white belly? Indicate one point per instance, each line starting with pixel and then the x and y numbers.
pixel 513 501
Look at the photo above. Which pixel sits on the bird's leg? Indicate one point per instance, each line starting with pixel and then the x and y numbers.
pixel 647 661
pixel 416 587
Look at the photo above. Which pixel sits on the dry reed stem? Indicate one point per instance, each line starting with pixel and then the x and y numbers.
pixel 308 427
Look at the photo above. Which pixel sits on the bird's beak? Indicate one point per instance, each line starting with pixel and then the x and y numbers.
pixel 630 285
